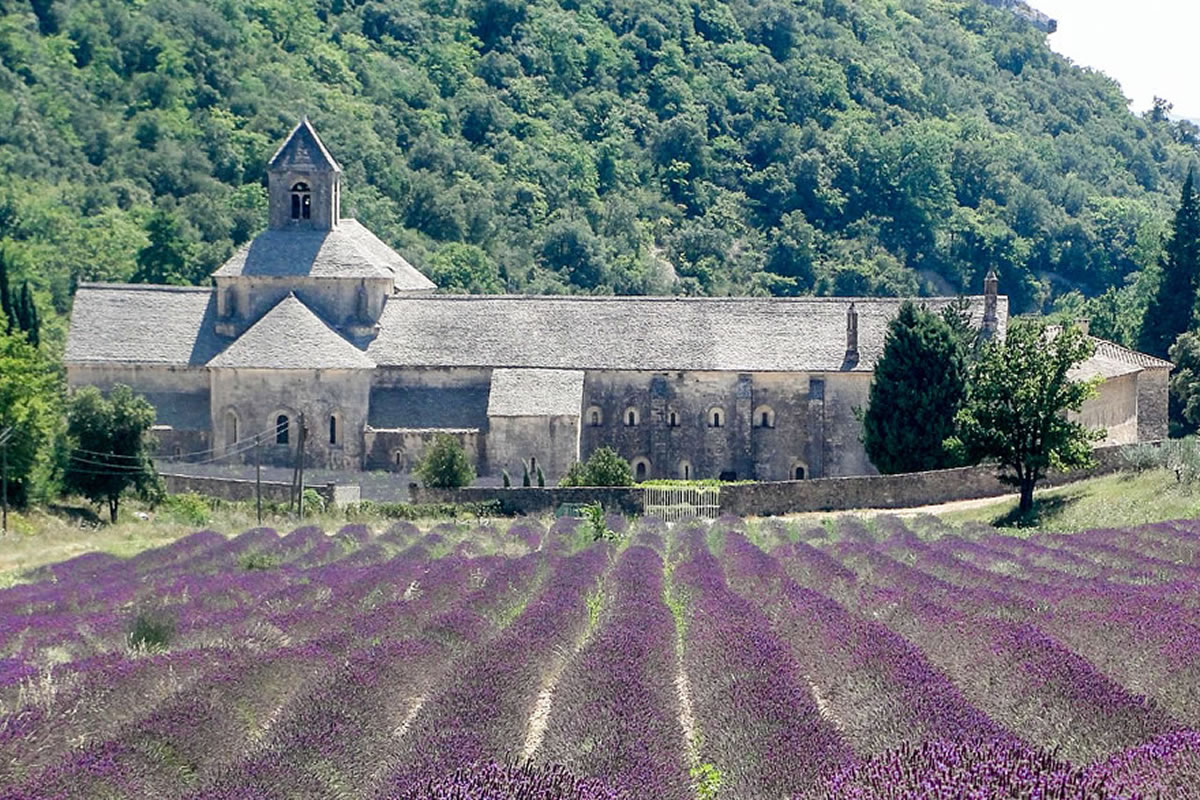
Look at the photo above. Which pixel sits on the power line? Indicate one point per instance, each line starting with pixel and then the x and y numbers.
pixel 265 432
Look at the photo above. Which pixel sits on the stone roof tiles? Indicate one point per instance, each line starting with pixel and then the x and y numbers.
pixel 638 333
pixel 347 251
pixel 291 336
pixel 142 324
pixel 303 151
pixel 535 393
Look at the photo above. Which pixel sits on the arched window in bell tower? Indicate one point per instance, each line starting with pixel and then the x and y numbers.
pixel 301 201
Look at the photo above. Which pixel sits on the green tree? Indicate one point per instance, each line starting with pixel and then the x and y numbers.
pixel 1017 409
pixel 445 464
pixel 571 249
pixel 164 259
pixel 467 268
pixel 6 304
pixel 28 403
pixel 1185 381
pixel 110 446
pixel 604 467
pixel 918 387
pixel 1172 308
pixel 27 315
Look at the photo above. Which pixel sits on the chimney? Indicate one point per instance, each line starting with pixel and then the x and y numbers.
pixel 990 293
pixel 852 334
pixel 1084 324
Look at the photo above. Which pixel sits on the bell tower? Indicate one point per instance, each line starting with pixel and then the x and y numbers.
pixel 305 183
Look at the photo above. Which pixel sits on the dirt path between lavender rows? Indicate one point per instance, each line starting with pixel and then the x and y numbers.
pixel 940 508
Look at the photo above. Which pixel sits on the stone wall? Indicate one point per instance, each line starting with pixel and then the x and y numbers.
pixel 889 491
pixel 673 430
pixel 1114 408
pixel 236 489
pixel 552 443
pixel 783 497
pixel 257 397
pixel 401 449
pixel 626 499
pixel 1152 403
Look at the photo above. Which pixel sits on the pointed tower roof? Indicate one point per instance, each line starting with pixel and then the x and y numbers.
pixel 303 151
pixel 291 336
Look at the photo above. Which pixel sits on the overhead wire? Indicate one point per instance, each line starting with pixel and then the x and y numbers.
pixel 175 457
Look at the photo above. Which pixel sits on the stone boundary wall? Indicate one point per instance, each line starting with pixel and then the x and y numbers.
pixel 785 497
pixel 626 499
pixel 238 489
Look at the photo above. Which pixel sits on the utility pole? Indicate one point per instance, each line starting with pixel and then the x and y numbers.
pixel 303 441
pixel 5 436
pixel 258 475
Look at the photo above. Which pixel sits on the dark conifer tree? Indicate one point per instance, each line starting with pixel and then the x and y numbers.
pixel 6 304
pixel 1171 310
pixel 28 316
pixel 919 385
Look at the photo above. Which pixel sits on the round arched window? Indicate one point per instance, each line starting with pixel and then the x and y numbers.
pixel 301 201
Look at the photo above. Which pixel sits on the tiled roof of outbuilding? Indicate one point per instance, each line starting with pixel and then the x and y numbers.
pixel 347 251
pixel 535 393
pixel 638 333
pixel 303 151
pixel 142 324
pixel 291 336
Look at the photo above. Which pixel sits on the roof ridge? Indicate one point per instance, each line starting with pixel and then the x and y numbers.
pixel 659 298
pixel 307 127
pixel 141 287
pixel 261 327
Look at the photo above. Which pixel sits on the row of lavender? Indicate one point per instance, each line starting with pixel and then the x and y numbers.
pixel 873 663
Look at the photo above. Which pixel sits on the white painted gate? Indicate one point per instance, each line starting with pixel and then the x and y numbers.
pixel 675 503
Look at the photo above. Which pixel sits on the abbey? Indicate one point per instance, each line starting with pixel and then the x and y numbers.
pixel 316 318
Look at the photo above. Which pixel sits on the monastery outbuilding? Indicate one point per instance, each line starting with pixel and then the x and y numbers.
pixel 318 317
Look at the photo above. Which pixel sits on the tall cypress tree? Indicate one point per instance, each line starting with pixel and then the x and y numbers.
pixel 6 304
pixel 919 385
pixel 1171 309
pixel 28 315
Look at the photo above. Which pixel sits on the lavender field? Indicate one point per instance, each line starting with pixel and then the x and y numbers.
pixel 701 661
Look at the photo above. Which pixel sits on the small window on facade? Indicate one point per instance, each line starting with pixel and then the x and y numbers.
pixel 301 201
pixel 231 428
pixel 595 419
pixel 631 417
pixel 282 423
pixel 673 420
pixel 333 429
pixel 685 470
pixel 397 458
pixel 798 474
pixel 716 418
pixel 641 469
pixel 178 451
pixel 764 417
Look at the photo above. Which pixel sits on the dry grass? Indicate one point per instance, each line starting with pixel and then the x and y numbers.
pixel 50 535
pixel 1122 500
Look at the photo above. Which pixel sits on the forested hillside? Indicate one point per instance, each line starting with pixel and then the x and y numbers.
pixel 631 146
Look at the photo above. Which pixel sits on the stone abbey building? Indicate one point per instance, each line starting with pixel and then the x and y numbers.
pixel 318 317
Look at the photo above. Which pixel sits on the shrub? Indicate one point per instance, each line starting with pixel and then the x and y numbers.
pixel 151 630
pixel 603 468
pixel 313 502
pixel 258 561
pixel 445 464
pixel 189 508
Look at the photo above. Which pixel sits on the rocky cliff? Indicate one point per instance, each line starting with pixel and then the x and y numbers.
pixel 1042 22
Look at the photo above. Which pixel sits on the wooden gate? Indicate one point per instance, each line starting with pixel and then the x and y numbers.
pixel 675 503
